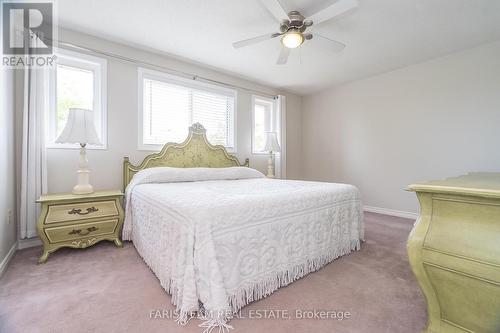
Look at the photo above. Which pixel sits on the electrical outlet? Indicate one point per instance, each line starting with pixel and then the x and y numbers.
pixel 9 216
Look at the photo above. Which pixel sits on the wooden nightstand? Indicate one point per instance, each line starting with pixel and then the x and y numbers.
pixel 79 221
pixel 454 252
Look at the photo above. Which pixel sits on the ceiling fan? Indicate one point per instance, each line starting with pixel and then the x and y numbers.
pixel 293 27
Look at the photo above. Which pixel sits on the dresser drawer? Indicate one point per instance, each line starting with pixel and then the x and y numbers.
pixel 71 232
pixel 81 211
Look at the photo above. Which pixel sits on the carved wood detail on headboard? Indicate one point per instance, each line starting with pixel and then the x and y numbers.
pixel 194 152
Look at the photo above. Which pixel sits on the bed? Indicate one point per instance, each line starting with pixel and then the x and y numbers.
pixel 219 235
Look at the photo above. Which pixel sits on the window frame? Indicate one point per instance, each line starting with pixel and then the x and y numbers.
pixel 145 73
pixel 264 101
pixel 99 67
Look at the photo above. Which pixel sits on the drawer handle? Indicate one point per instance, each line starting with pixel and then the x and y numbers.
pixel 79 231
pixel 79 211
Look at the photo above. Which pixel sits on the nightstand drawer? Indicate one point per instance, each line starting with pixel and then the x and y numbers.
pixel 71 232
pixel 81 211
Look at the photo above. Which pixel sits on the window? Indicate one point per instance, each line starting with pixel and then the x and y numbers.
pixel 264 121
pixel 169 105
pixel 77 81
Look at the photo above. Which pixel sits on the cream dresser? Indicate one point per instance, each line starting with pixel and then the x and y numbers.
pixel 79 221
pixel 454 251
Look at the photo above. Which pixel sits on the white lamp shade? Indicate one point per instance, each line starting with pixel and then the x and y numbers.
pixel 79 128
pixel 272 142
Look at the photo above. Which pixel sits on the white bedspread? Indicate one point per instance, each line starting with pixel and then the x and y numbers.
pixel 226 243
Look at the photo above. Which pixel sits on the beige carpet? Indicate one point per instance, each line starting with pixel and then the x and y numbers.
pixel 106 289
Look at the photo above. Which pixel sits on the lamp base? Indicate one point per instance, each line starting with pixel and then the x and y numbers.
pixel 83 189
pixel 270 166
pixel 83 186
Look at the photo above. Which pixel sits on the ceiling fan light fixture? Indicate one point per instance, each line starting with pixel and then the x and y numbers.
pixel 292 39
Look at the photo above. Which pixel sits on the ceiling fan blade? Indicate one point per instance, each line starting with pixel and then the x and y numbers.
pixel 338 8
pixel 326 43
pixel 254 40
pixel 283 57
pixel 276 9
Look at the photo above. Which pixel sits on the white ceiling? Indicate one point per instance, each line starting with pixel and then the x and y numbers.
pixel 381 35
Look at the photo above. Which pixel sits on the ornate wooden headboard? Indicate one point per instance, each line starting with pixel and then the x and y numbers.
pixel 194 152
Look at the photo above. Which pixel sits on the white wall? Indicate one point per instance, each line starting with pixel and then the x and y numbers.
pixel 106 165
pixel 7 160
pixel 294 137
pixel 431 120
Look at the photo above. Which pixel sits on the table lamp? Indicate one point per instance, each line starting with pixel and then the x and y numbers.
pixel 272 146
pixel 80 129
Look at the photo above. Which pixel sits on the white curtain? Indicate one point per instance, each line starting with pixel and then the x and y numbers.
pixel 280 158
pixel 33 159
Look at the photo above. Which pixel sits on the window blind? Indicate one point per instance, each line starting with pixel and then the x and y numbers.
pixel 169 109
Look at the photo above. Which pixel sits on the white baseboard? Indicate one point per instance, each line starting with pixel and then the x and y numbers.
pixel 29 242
pixel 8 257
pixel 392 212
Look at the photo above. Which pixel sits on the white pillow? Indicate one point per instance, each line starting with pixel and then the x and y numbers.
pixel 174 175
